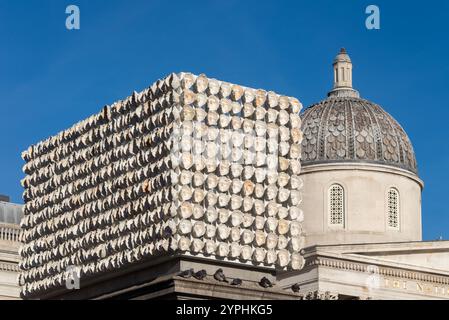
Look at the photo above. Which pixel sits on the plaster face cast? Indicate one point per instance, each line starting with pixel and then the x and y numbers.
pixel 246 253
pixel 248 187
pixel 210 247
pixel 211 231
pixel 237 186
pixel 296 182
pixel 197 245
pixel 185 227
pixel 184 244
pixel 295 229
pixel 282 242
pixel 223 250
pixel 186 210
pixel 236 250
pixel 236 218
pixel 198 195
pixel 185 193
pixel 271 256
pixel 223 169
pixel 248 220
pixel 198 179
pixel 259 223
pixel 283 212
pixel 235 234
pixel 295 198
pixel 212 181
pixel 260 238
pixel 198 212
pixel 283 258
pixel 236 202
pixel 186 160
pixel 297 243
pixel 223 215
pixel 259 254
pixel 224 184
pixel 271 224
pixel 199 229
pixel 297 261
pixel 211 199
pixel 223 232
pixel 272 208
pixel 210 164
pixel 199 163
pixel 271 192
pixel 247 237
pixel 248 172
pixel 223 200
pixel 259 207
pixel 247 204
pixel 185 177
pixel 284 148
pixel 211 214
pixel 236 122
pixel 296 214
pixel 283 227
pixel 295 167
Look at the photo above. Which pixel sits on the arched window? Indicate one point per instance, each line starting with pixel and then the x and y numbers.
pixel 393 208
pixel 336 205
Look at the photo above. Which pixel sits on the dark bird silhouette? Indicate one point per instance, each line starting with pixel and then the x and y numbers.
pixel 186 274
pixel 236 282
pixel 265 283
pixel 200 275
pixel 296 287
pixel 220 276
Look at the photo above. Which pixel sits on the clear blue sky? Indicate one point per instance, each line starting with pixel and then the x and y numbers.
pixel 51 77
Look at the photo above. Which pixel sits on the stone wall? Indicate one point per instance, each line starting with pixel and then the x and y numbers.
pixel 9 259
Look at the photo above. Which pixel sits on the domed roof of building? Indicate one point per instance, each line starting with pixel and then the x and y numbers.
pixel 346 128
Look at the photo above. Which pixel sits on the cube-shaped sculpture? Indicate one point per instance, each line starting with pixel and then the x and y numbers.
pixel 191 166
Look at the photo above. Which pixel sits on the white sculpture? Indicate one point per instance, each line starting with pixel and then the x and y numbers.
pixel 191 165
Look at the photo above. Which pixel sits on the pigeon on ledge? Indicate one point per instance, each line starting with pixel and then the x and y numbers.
pixel 200 275
pixel 296 287
pixel 265 283
pixel 220 276
pixel 186 274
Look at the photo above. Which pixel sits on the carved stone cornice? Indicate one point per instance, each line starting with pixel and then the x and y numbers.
pixel 12 267
pixel 320 295
pixel 348 265
pixel 9 232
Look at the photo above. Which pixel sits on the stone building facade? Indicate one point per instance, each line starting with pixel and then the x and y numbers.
pixel 10 215
pixel 362 204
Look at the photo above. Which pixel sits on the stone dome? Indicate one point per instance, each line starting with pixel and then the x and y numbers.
pixel 346 128
pixel 350 129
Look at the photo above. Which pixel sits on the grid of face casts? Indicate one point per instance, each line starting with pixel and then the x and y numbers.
pixel 190 165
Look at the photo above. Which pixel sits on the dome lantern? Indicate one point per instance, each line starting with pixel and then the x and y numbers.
pixel 343 76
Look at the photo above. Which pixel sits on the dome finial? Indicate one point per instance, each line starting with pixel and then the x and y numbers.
pixel 343 76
